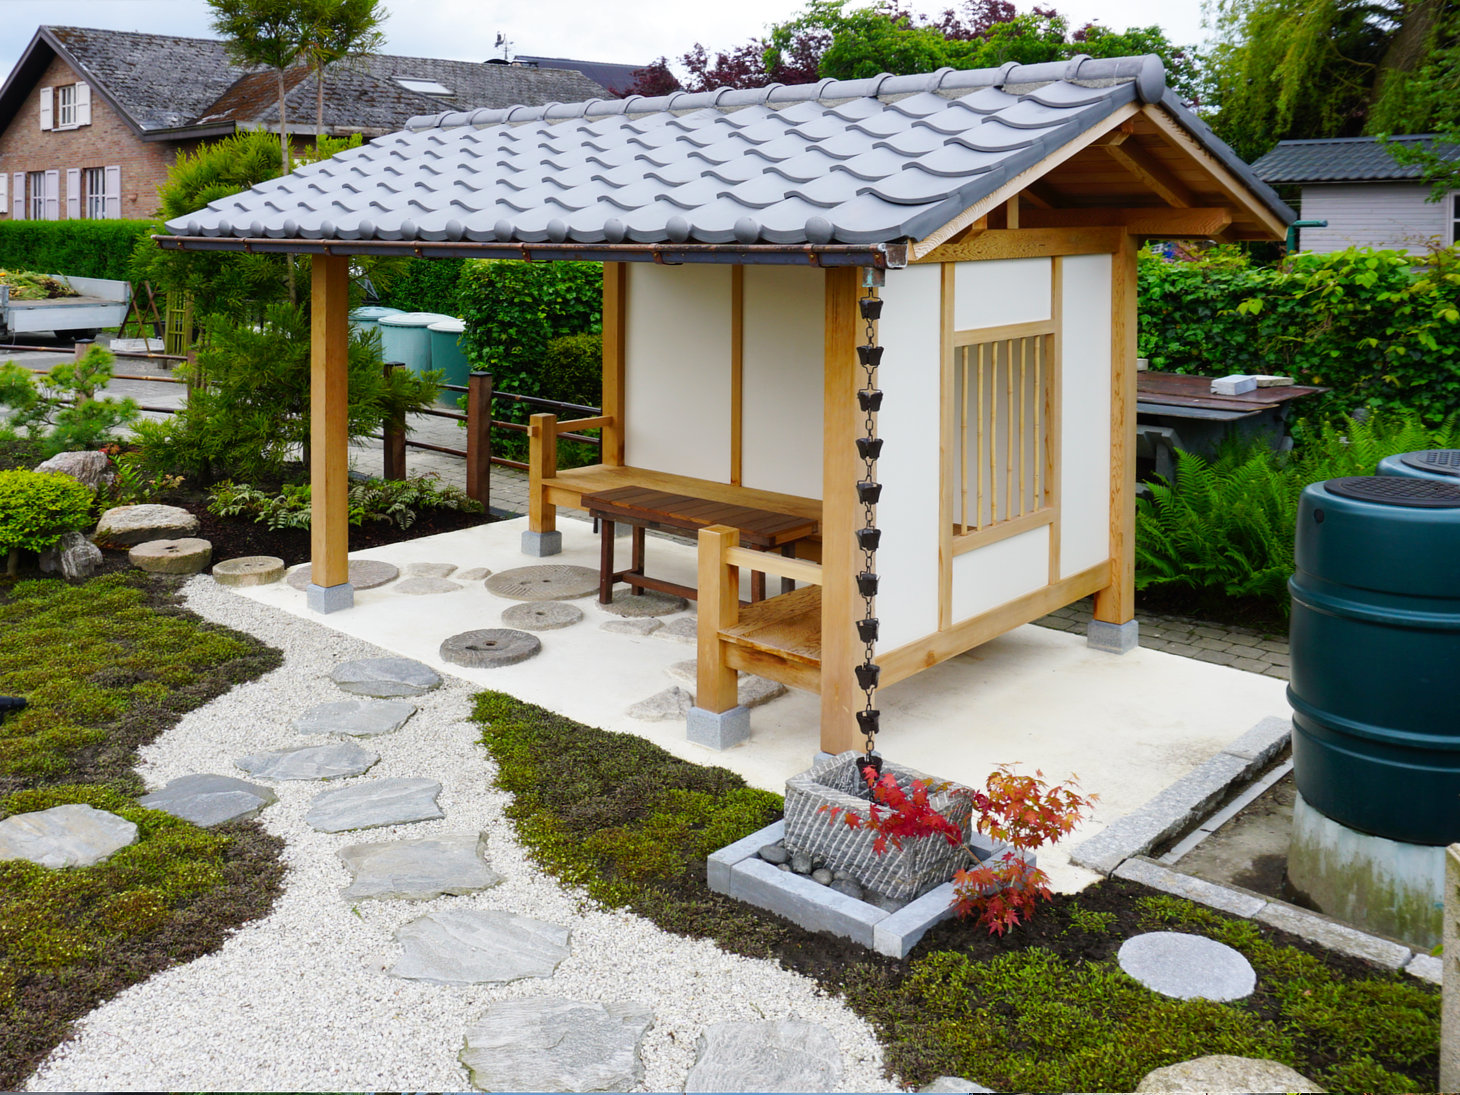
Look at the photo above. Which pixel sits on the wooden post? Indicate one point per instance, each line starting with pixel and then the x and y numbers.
pixel 542 463
pixel 329 422
pixel 1116 603
pixel 719 608
pixel 1450 976
pixel 78 351
pixel 841 515
pixel 479 436
pixel 615 319
pixel 394 431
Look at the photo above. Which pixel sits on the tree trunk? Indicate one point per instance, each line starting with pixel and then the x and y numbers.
pixel 283 127
pixel 318 104
pixel 1411 43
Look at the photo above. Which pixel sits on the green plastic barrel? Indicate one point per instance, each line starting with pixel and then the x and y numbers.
pixel 368 316
pixel 1441 464
pixel 406 337
pixel 448 356
pixel 1375 681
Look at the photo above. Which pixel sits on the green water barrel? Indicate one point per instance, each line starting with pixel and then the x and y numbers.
pixel 448 356
pixel 406 337
pixel 1375 682
pixel 367 317
pixel 1441 464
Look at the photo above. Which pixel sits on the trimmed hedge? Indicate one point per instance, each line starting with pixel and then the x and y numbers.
pixel 79 248
pixel 424 285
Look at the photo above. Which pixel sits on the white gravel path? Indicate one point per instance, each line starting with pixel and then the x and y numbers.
pixel 298 1000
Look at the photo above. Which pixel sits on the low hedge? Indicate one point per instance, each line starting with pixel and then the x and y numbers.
pixel 78 248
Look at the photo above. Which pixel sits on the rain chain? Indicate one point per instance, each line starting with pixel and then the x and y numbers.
pixel 869 447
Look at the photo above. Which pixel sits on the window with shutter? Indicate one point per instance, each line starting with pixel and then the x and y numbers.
pixel 35 182
pixel 53 195
pixel 113 193
pixel 73 193
pixel 4 193
pixel 46 94
pixel 83 104
pixel 65 112
pixel 17 195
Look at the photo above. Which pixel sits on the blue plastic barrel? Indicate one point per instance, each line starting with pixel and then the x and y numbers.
pixel 448 356
pixel 1441 464
pixel 366 318
pixel 407 338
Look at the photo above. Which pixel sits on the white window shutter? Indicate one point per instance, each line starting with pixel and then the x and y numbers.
pixel 4 193
pixel 83 104
pixel 53 195
pixel 17 195
pixel 46 96
pixel 73 193
pixel 114 193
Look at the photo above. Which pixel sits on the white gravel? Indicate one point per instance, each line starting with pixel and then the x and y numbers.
pixel 298 1000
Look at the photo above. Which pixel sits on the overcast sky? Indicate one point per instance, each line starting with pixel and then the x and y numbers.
pixel 635 32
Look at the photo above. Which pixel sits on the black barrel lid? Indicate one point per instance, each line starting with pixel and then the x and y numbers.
pixel 1397 490
pixel 1437 461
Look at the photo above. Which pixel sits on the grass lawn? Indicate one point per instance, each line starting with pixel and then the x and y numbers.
pixel 1044 1008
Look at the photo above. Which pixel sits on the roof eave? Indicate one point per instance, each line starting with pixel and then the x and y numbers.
pixel 190 132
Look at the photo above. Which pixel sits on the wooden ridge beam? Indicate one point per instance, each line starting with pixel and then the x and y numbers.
pixel 1195 223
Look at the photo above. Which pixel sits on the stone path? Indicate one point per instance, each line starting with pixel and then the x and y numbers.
pixel 1187 967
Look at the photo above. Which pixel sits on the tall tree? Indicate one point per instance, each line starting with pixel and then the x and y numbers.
pixel 270 33
pixel 338 30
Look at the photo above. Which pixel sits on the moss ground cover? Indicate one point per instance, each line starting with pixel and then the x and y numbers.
pixel 107 665
pixel 1043 1008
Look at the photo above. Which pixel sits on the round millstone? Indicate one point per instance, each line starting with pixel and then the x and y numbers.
pixel 249 570
pixel 542 615
pixel 490 648
pixel 186 556
pixel 553 582
pixel 1187 966
pixel 364 574
pixel 648 603
pixel 425 586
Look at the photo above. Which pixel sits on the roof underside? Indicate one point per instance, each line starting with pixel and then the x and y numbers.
pixel 1345 159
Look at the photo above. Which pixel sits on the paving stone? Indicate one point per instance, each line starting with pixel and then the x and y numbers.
pixel 374 804
pixel 1188 967
pixel 418 870
pixel 186 556
pixel 385 678
pixel 426 586
pixel 479 946
pixel 73 555
pixel 475 574
pixel 1194 889
pixel 209 800
pixel 65 836
pixel 1238 639
pixel 362 574
pixel 429 570
pixel 357 718
pixel 89 468
pixel 123 526
pixel 1427 968
pixel 1334 936
pixel 541 615
pixel 334 761
pixel 646 626
pixel 1222 1072
pixel 549 1044
pixel 249 570
pixel 683 630
pixel 649 603
pixel 1250 665
pixel 549 582
pixel 951 1084
pixel 775 1055
pixel 751 691
pixel 490 648
pixel 673 703
pixel 1212 644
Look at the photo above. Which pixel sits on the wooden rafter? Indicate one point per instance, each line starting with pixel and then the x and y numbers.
pixel 1190 223
pixel 1151 174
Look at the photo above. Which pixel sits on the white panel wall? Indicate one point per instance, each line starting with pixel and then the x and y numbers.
pixel 1383 215
pixel 781 401
pixel 1085 407
pixel 677 370
pixel 1000 572
pixel 988 294
pixel 910 377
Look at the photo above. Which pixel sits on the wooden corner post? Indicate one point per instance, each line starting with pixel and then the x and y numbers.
pixel 329 429
pixel 1116 603
pixel 841 516
pixel 542 465
pixel 716 687
pixel 615 321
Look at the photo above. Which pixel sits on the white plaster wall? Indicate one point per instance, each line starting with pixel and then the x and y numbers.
pixel 781 401
pixel 677 370
pixel 1382 215
pixel 1085 408
pixel 989 294
pixel 1000 572
pixel 909 469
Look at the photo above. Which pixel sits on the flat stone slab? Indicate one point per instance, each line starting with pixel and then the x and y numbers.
pixel 775 1055
pixel 951 1084
pixel 750 690
pixel 550 582
pixel 429 570
pixel 644 626
pixel 426 586
pixel 1187 967
pixel 418 870
pixel 371 805
pixel 123 526
pixel 363 574
pixel 673 703
pixel 209 800
pixel 686 629
pixel 648 603
pixel 542 615
pixel 385 678
pixel 186 556
pixel 357 718
pixel 65 836
pixel 475 574
pixel 249 570
pixel 548 1044
pixel 337 760
pixel 1222 1072
pixel 479 946
pixel 490 648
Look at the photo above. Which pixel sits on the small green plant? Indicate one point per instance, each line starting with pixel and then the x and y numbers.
pixel 396 501
pixel 1089 921
pixel 132 485
pixel 37 509
pixel 59 408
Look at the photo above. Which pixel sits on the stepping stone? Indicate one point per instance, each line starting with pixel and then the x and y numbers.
pixel 542 615
pixel 385 677
pixel 776 1055
pixel 951 1084
pixel 420 587
pixel 123 526
pixel 358 718
pixel 673 703
pixel 645 626
pixel 479 946
pixel 751 691
pixel 371 805
pixel 209 800
pixel 1221 1072
pixel 429 570
pixel 187 556
pixel 551 582
pixel 248 570
pixel 475 574
pixel 334 761
pixel 491 648
pixel 65 836
pixel 683 630
pixel 649 603
pixel 363 574
pixel 418 870
pixel 548 1044
pixel 1187 967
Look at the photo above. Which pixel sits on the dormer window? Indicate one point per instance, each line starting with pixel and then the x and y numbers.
pixel 67 106
pixel 424 87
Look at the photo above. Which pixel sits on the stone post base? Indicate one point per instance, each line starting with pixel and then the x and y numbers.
pixel 326 599
pixel 718 729
pixel 1113 638
pixel 539 544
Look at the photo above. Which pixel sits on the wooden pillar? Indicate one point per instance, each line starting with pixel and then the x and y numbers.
pixel 542 463
pixel 615 316
pixel 841 515
pixel 1116 603
pixel 329 433
pixel 479 436
pixel 393 463
pixel 716 687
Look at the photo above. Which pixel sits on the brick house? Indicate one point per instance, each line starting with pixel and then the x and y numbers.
pixel 91 120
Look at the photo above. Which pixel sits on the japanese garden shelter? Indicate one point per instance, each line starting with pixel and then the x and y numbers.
pixel 995 212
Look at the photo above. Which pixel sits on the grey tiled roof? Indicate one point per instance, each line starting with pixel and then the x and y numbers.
pixel 1341 159
pixel 618 78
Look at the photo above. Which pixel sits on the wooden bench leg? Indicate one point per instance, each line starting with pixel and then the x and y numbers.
pixel 788 585
pixel 637 540
pixel 757 586
pixel 605 562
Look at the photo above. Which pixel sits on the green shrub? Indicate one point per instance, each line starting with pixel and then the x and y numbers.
pixel 37 508
pixel 58 409
pixel 421 285
pixel 572 369
pixel 77 248
pixel 395 501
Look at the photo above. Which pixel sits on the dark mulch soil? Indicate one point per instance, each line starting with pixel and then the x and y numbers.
pixel 1249 612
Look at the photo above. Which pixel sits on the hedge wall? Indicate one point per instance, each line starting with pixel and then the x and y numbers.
pixel 80 248
pixel 425 285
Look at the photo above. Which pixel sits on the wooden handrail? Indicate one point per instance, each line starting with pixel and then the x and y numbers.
pixel 798 570
pixel 586 423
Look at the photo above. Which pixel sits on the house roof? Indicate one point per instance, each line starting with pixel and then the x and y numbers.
pixel 839 164
pixel 617 78
pixel 1343 159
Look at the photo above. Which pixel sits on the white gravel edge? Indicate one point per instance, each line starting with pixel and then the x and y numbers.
pixel 298 1000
